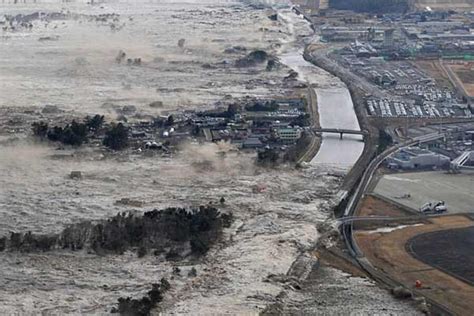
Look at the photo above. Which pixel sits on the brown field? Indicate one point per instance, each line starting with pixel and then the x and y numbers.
pixel 434 69
pixel 465 74
pixel 387 252
pixel 374 206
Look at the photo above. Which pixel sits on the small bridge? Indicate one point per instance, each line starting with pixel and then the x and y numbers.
pixel 340 131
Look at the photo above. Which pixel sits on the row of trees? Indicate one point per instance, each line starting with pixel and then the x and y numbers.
pixel 268 106
pixel 78 133
pixel 161 230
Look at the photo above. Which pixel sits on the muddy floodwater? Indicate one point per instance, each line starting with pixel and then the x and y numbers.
pixel 70 62
pixel 64 65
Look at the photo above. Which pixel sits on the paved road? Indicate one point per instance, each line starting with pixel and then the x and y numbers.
pixel 454 79
pixel 322 54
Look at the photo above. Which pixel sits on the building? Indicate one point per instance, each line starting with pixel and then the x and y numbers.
pixel 416 158
pixel 388 38
pixel 288 135
pixel 252 143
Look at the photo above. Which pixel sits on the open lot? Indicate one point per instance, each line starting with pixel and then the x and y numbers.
pixel 434 69
pixel 465 74
pixel 455 189
pixel 448 250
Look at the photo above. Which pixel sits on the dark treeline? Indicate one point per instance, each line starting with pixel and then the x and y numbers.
pixel 371 6
pixel 142 307
pixel 254 58
pixel 174 232
pixel 115 136
pixel 74 134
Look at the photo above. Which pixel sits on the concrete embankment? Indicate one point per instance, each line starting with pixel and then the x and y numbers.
pixel 313 147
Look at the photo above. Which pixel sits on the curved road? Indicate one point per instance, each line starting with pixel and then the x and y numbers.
pixel 365 180
pixel 348 217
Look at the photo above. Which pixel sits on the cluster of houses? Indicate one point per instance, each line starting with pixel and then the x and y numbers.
pixel 257 124
pixel 253 127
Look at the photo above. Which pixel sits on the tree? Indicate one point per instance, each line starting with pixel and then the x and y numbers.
pixel 268 157
pixel 170 121
pixel 74 134
pixel 269 106
pixel 40 129
pixel 117 137
pixel 385 140
pixel 55 134
pixel 302 120
pixel 94 123
pixel 271 64
pixel 232 109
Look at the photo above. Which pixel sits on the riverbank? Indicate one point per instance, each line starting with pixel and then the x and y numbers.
pixel 357 96
pixel 335 110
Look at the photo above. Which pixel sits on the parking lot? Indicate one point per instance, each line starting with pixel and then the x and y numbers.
pixel 410 91
pixel 396 108
pixel 418 188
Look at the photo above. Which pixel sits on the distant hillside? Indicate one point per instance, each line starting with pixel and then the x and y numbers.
pixel 445 4
pixel 373 6
pixel 385 6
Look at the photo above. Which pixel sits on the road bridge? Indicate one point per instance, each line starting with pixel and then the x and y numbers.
pixel 340 131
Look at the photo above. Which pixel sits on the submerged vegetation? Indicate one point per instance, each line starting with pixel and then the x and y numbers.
pixel 254 58
pixel 142 307
pixel 116 137
pixel 174 232
pixel 76 133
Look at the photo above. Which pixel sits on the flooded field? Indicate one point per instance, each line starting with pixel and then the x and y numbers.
pixel 69 62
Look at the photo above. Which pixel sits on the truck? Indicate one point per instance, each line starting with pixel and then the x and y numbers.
pixel 435 208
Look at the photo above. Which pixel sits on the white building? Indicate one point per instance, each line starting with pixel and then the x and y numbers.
pixel 416 158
